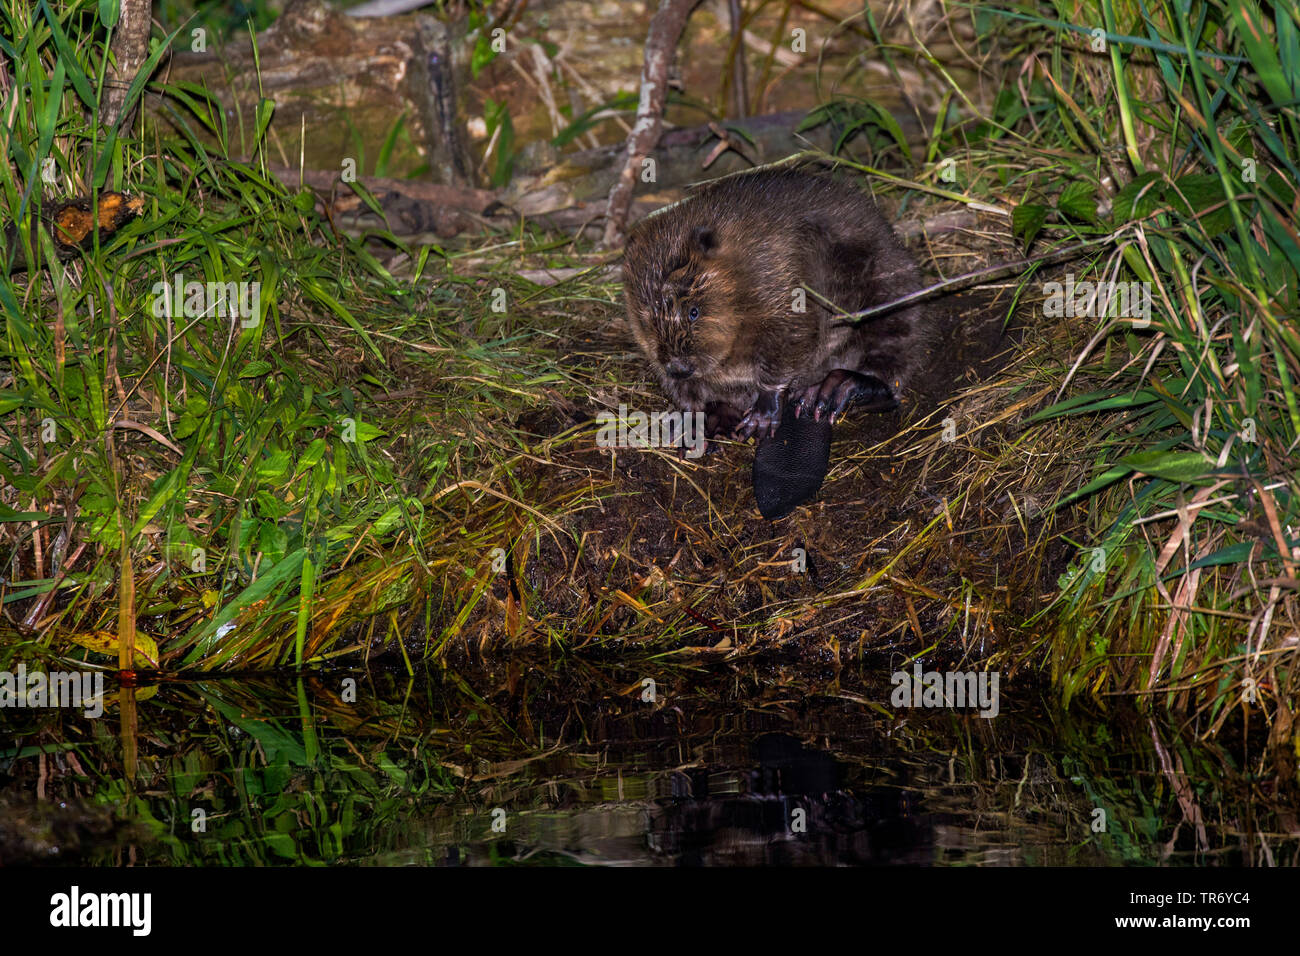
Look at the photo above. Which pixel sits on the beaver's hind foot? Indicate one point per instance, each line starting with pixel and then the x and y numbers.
pixel 840 389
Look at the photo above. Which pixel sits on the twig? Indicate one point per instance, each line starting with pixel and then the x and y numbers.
pixel 980 277
pixel 665 31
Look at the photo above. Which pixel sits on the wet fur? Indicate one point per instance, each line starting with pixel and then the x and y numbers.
pixel 737 250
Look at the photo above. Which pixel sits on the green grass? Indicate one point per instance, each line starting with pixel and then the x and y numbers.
pixel 282 506
pixel 1184 588
pixel 263 475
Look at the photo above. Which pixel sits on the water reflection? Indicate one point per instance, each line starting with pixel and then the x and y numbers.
pixel 576 770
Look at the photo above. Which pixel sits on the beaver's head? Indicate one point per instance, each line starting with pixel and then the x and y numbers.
pixel 682 301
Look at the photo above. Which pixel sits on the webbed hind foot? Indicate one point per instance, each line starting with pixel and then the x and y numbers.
pixel 841 388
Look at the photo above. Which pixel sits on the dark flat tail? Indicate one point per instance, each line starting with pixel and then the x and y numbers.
pixel 790 466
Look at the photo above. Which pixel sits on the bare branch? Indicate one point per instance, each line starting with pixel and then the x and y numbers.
pixel 665 32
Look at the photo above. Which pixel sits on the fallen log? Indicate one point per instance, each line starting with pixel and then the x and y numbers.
pixel 344 83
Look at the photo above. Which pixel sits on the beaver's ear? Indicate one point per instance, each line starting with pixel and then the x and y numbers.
pixel 705 241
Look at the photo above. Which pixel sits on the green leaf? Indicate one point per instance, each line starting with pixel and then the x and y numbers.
pixel 385 763
pixel 255 368
pixel 315 451
pixel 624 100
pixel 165 489
pixel 498 115
pixel 9 514
pixel 11 400
pixel 265 110
pixel 367 432
pixel 1250 20
pixel 108 13
pixel 269 506
pixel 106 151
pixel 306 589
pixel 1170 465
pixel 1138 199
pixel 79 80
pixel 305 200
pixel 316 291
pixel 276 465
pixel 1027 220
pixel 483 54
pixel 389 144
pixel 1079 201
pixel 1200 196
pixel 1108 477
pixel 49 118
pixel 866 114
pixel 1095 402
pixel 815 117
pixel 273 738
pixel 204 633
pixel 1232 554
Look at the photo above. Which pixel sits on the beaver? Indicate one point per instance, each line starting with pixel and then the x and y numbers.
pixel 716 300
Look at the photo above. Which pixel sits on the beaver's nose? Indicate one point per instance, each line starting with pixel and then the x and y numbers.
pixel 680 368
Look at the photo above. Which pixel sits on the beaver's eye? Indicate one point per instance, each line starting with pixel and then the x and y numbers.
pixel 694 313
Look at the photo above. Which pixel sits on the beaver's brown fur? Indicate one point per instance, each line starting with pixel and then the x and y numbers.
pixel 712 287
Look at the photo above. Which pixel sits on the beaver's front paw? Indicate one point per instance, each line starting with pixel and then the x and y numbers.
pixel 762 420
pixel 838 390
pixel 721 419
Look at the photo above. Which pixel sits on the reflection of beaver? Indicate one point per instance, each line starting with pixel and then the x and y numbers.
pixel 715 300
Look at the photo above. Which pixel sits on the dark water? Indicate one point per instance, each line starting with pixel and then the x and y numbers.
pixel 568 766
